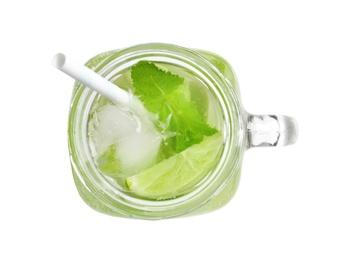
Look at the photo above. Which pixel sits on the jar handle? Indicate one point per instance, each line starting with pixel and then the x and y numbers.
pixel 271 130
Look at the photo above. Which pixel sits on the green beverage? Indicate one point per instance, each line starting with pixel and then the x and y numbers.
pixel 165 153
pixel 178 150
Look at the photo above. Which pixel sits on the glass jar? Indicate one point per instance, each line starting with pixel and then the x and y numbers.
pixel 240 132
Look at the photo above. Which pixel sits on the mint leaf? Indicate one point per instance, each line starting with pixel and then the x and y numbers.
pixel 165 95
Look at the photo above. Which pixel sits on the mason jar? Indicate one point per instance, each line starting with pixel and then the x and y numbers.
pixel 240 131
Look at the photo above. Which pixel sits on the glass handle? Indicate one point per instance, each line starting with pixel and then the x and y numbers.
pixel 271 130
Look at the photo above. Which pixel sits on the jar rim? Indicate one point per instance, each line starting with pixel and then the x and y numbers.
pixel 83 99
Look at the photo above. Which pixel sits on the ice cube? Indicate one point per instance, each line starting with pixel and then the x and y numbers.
pixel 139 150
pixel 136 138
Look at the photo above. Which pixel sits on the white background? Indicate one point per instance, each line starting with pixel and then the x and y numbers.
pixel 291 57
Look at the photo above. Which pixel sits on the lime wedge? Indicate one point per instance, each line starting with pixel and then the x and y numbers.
pixel 108 163
pixel 174 176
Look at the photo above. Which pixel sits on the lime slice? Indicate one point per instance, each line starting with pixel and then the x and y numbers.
pixel 174 176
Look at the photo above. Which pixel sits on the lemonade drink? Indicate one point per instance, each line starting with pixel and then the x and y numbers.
pixel 182 157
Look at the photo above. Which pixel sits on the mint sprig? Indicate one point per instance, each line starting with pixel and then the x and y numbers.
pixel 165 95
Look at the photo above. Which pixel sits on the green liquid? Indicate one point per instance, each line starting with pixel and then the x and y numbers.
pixel 124 145
pixel 97 199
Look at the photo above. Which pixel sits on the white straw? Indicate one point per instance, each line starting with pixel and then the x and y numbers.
pixel 91 79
